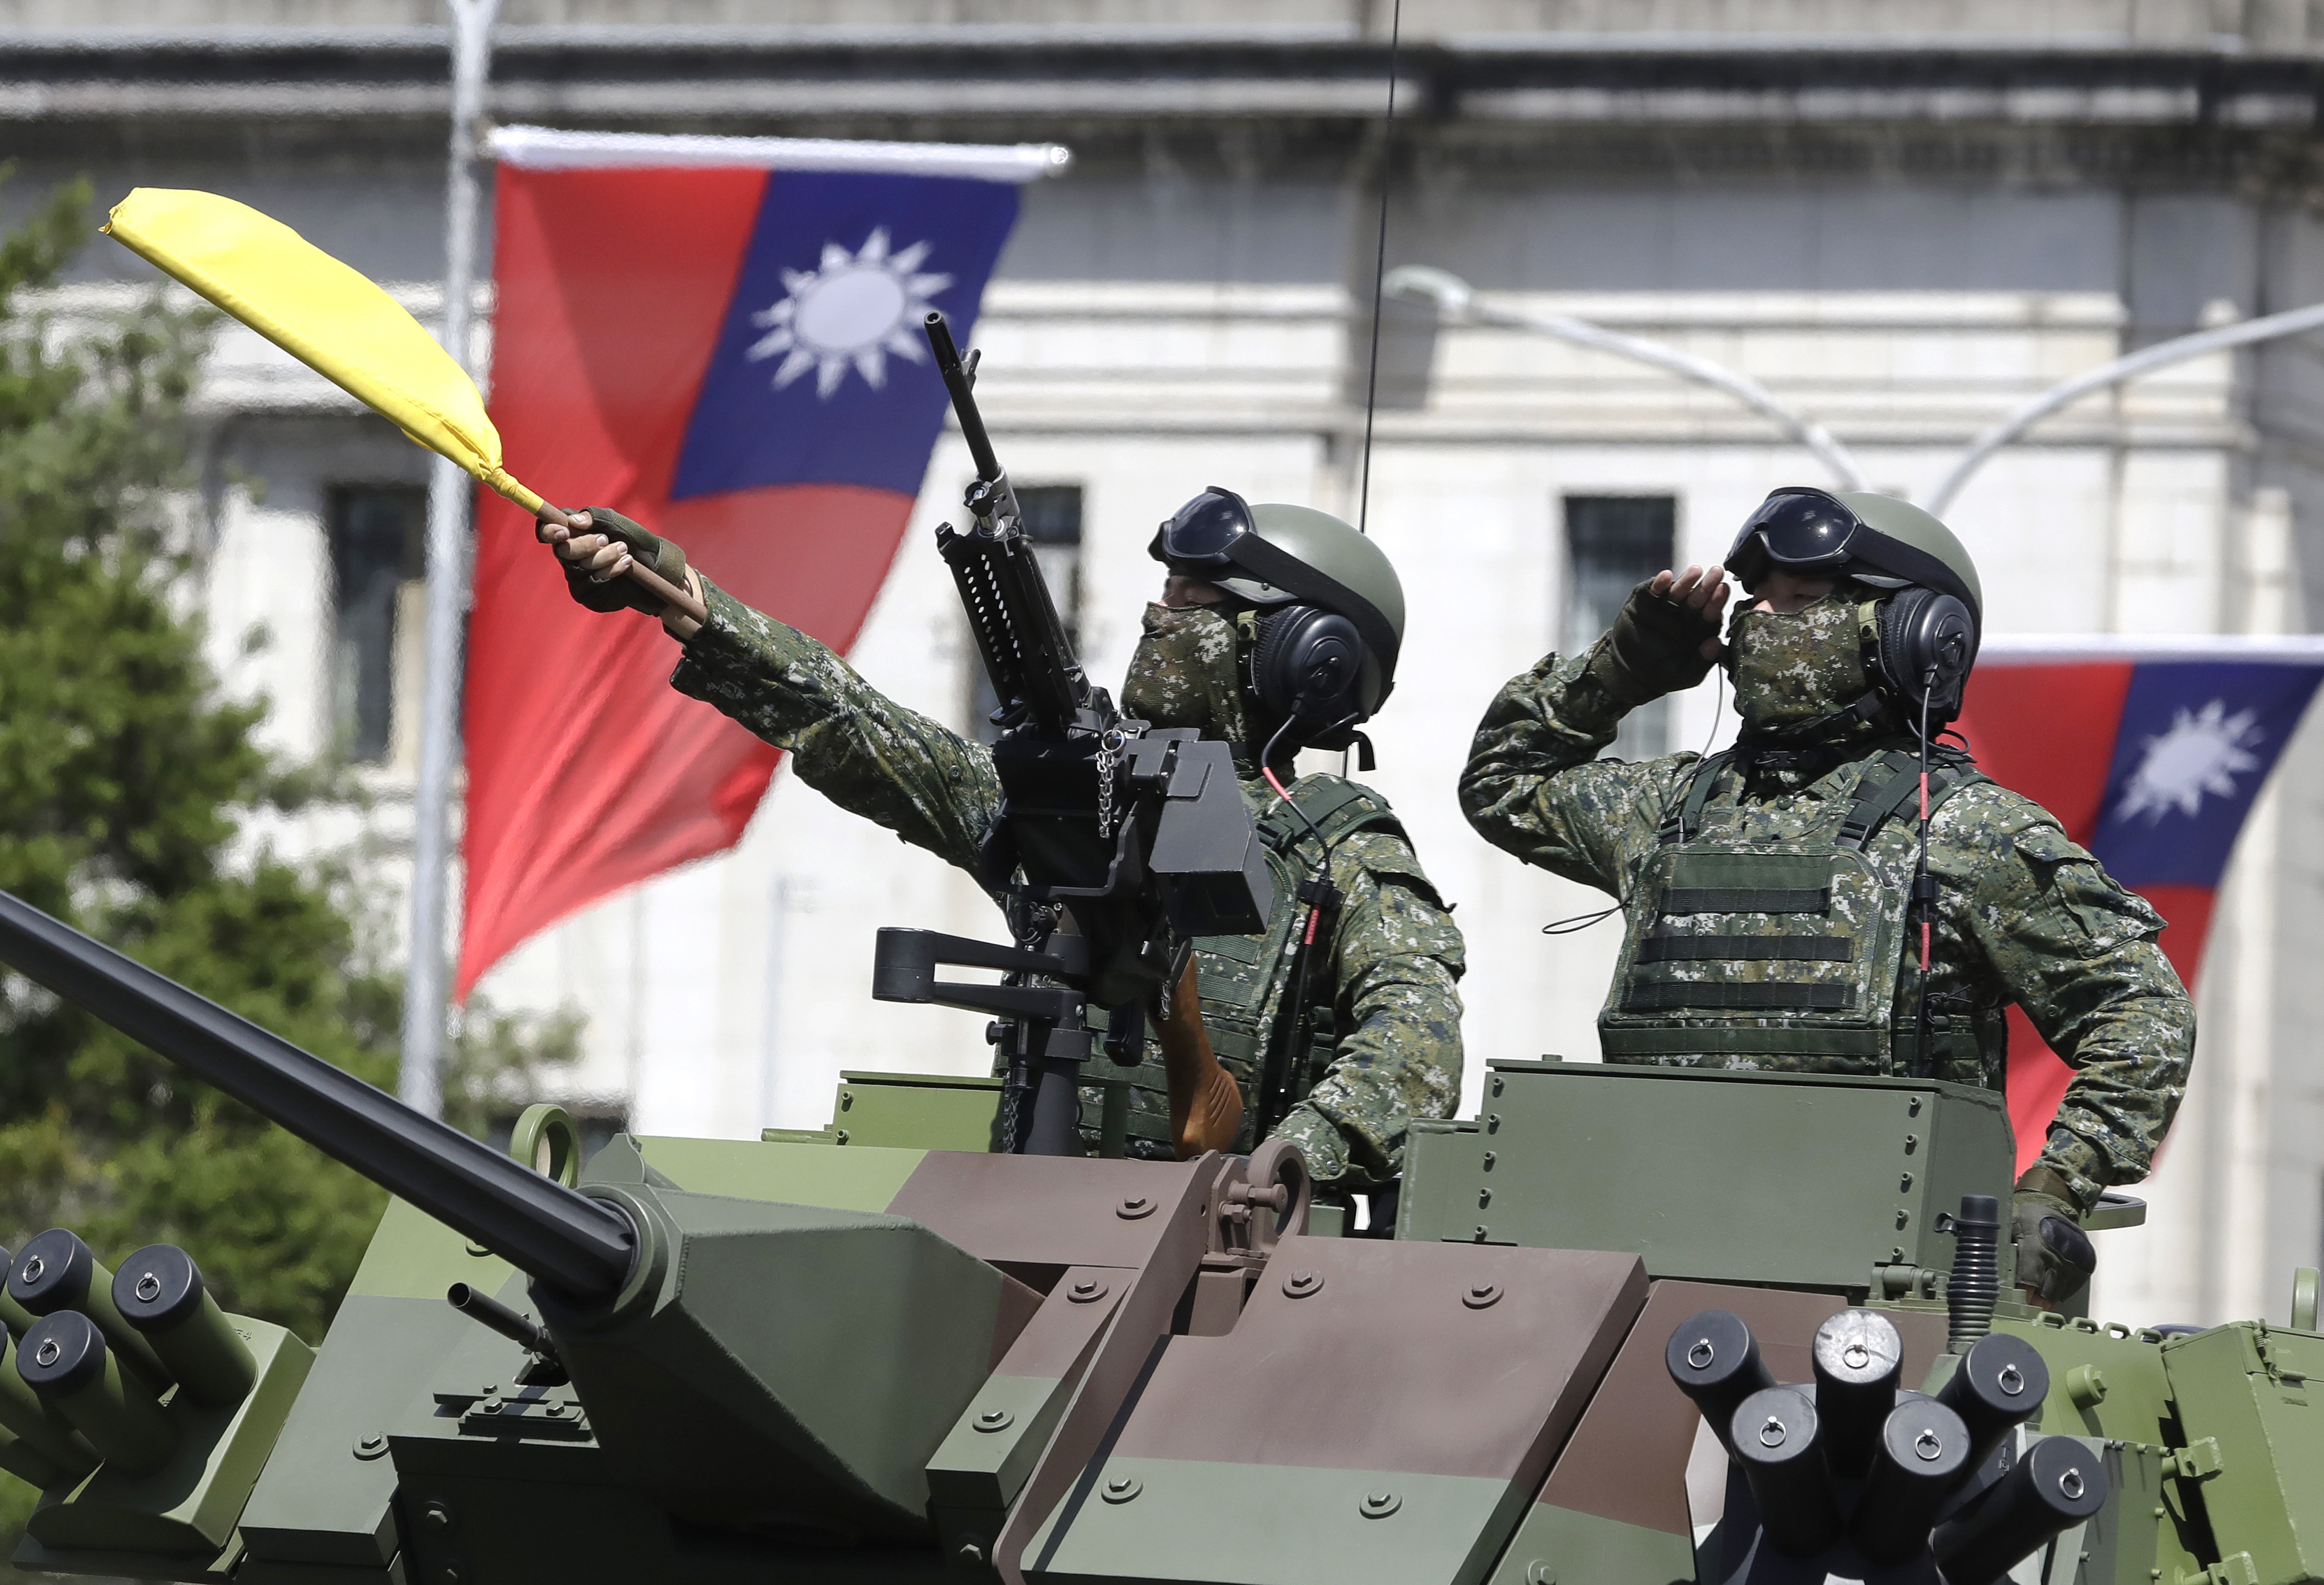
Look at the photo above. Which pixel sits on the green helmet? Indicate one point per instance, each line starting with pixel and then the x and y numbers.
pixel 1907 524
pixel 1277 555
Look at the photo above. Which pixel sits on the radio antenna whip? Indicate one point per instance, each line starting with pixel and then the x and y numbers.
pixel 1379 268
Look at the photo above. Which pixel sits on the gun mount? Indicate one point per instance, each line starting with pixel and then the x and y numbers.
pixel 856 1360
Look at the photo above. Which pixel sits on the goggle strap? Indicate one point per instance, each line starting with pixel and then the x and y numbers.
pixel 1289 573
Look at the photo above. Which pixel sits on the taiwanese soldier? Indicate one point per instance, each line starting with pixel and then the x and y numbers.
pixel 1358 1018
pixel 1780 912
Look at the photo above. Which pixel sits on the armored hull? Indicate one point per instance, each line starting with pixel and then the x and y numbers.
pixel 867 1355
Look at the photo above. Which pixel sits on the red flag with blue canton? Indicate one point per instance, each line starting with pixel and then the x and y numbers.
pixel 2150 751
pixel 719 337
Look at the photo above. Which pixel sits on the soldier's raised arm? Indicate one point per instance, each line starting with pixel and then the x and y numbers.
pixel 851 743
pixel 1534 784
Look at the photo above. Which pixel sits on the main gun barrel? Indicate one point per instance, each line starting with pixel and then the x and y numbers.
pixel 577 1245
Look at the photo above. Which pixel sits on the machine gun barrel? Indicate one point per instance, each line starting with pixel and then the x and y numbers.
pixel 959 380
pixel 575 1244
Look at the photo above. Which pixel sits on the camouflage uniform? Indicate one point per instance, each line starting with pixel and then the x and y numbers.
pixel 1383 1010
pixel 2024 915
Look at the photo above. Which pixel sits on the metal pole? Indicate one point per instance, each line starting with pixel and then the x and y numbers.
pixel 419 1082
pixel 1456 303
pixel 2145 361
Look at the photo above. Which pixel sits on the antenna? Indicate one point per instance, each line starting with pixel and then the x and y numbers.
pixel 1379 268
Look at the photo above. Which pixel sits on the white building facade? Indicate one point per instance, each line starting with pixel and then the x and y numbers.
pixel 1903 219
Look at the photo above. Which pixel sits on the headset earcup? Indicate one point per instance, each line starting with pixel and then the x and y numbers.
pixel 1309 665
pixel 1922 631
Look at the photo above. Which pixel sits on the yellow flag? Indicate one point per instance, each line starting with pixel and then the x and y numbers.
pixel 330 318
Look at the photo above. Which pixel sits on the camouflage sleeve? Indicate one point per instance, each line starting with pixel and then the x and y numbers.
pixel 2077 954
pixel 1535 785
pixel 1397 954
pixel 931 786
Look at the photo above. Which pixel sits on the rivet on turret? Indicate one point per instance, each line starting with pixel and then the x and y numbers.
pixel 1121 1488
pixel 371 1446
pixel 1088 1290
pixel 1300 1284
pixel 995 1420
pixel 1134 1207
pixel 1481 1295
pixel 1379 1505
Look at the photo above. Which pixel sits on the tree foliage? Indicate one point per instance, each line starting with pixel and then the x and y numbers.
pixel 132 800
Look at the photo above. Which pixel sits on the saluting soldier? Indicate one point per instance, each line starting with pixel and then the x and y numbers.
pixel 1278 629
pixel 1781 912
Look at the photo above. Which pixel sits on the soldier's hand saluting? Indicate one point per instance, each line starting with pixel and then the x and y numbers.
pixel 1667 636
pixel 1701 591
pixel 598 551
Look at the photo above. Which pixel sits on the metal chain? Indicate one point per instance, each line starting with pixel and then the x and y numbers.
pixel 1108 755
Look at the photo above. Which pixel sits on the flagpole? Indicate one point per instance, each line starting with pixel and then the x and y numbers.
pixel 450 492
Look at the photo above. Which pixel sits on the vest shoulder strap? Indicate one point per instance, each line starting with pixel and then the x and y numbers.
pixel 1684 813
pixel 1879 797
pixel 1336 805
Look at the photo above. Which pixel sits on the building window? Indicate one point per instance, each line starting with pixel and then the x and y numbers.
pixel 1611 542
pixel 379 535
pixel 1053 522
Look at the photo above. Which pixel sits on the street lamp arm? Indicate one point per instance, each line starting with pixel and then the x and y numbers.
pixel 1456 303
pixel 2147 360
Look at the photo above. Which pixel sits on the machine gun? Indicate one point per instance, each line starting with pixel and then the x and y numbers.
pixel 1116 844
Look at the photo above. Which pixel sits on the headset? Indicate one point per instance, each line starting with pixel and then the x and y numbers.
pixel 1307 666
pixel 1919 641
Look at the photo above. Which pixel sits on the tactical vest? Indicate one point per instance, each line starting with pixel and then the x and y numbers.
pixel 1787 952
pixel 1245 979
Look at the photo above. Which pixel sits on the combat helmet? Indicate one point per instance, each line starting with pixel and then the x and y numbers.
pixel 1331 607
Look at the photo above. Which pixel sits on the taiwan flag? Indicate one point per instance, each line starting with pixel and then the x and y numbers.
pixel 720 338
pixel 2150 751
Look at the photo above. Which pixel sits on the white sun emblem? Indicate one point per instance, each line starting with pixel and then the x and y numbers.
pixel 2199 754
pixel 851 311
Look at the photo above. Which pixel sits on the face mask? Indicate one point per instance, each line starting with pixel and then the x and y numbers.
pixel 1183 674
pixel 1796 668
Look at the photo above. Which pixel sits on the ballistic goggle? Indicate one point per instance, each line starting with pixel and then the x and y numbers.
pixel 1813 534
pixel 1213 537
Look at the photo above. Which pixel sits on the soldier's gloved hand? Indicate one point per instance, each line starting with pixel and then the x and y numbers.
pixel 1666 635
pixel 593 552
pixel 2055 1255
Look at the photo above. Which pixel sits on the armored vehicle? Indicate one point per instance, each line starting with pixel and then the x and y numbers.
pixel 868 1355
